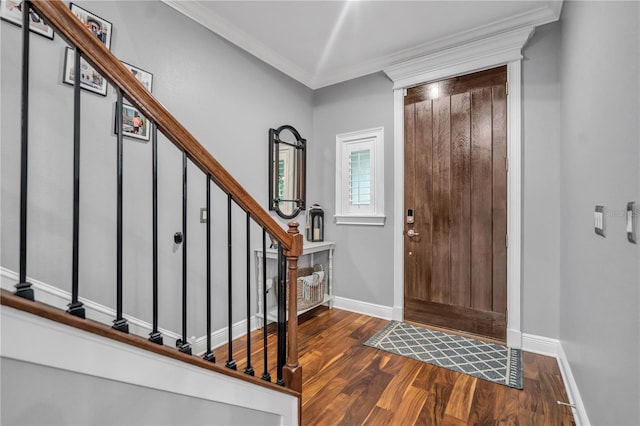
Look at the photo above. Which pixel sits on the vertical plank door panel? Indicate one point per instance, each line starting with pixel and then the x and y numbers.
pixel 481 199
pixel 499 198
pixel 461 200
pixel 409 197
pixel 422 249
pixel 440 283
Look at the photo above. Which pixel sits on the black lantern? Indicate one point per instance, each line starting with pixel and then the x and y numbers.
pixel 315 223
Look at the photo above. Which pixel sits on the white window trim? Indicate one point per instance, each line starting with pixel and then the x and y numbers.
pixel 375 217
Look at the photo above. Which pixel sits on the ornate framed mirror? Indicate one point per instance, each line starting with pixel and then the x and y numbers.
pixel 287 171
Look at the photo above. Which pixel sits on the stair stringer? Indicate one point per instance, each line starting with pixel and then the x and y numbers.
pixel 37 340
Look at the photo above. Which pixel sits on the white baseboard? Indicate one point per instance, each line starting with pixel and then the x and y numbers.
pixel 60 298
pixel 51 295
pixel 553 348
pixel 540 345
pixel 579 412
pixel 365 308
pixel 220 337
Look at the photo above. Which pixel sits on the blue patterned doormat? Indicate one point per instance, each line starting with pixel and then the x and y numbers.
pixel 488 361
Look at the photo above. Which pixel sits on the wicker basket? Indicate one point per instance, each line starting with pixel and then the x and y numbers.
pixel 310 291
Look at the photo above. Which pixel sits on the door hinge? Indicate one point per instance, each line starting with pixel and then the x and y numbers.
pixel 506 88
pixel 404 92
pixel 506 240
pixel 506 163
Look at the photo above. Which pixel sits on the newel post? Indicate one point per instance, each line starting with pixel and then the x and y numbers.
pixel 292 371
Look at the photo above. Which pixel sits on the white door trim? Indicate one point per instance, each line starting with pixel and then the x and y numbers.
pixel 490 52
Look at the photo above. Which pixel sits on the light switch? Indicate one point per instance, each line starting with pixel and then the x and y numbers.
pixel 203 215
pixel 631 226
pixel 598 219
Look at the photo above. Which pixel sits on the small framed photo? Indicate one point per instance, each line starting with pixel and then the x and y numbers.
pixel 11 11
pixel 134 124
pixel 100 27
pixel 90 79
pixel 146 78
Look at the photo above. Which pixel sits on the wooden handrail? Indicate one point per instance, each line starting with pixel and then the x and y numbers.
pixel 69 27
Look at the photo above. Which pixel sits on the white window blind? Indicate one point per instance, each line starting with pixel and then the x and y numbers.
pixel 360 178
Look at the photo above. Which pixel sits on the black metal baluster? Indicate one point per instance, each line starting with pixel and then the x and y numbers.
pixel 249 370
pixel 282 314
pixel 119 323
pixel 230 361
pixel 155 336
pixel 75 307
pixel 265 375
pixel 23 288
pixel 209 356
pixel 182 343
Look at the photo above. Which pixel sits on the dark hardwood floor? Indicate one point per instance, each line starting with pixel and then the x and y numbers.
pixel 347 383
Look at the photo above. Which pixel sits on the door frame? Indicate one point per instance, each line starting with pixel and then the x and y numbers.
pixel 505 48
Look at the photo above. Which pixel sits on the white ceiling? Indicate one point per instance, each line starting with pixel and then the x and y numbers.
pixel 324 42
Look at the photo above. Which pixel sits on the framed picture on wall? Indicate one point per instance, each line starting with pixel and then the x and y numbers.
pixel 144 77
pixel 90 79
pixel 11 11
pixel 134 124
pixel 100 27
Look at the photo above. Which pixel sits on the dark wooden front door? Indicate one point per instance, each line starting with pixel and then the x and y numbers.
pixel 456 186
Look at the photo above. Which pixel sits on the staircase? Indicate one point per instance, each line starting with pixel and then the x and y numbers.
pixel 166 129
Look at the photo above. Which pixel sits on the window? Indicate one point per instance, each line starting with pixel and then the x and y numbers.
pixel 360 177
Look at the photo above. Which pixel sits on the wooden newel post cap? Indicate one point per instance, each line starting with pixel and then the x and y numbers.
pixel 297 240
pixel 293 227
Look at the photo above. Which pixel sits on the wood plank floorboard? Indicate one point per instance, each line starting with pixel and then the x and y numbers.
pixel 347 383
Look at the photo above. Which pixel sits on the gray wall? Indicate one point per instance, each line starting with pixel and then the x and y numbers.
pixel 580 149
pixel 577 75
pixel 599 295
pixel 42 395
pixel 227 98
pixel 541 192
pixel 363 265
pixel 225 78
pixel 364 254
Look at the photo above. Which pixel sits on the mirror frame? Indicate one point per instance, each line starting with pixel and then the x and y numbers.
pixel 301 171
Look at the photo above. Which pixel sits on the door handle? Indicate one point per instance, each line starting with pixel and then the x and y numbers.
pixel 411 233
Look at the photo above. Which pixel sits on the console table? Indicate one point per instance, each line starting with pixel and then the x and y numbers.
pixel 310 253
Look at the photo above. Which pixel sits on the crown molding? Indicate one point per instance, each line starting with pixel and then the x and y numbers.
pixel 544 14
pixel 540 16
pixel 470 57
pixel 215 23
